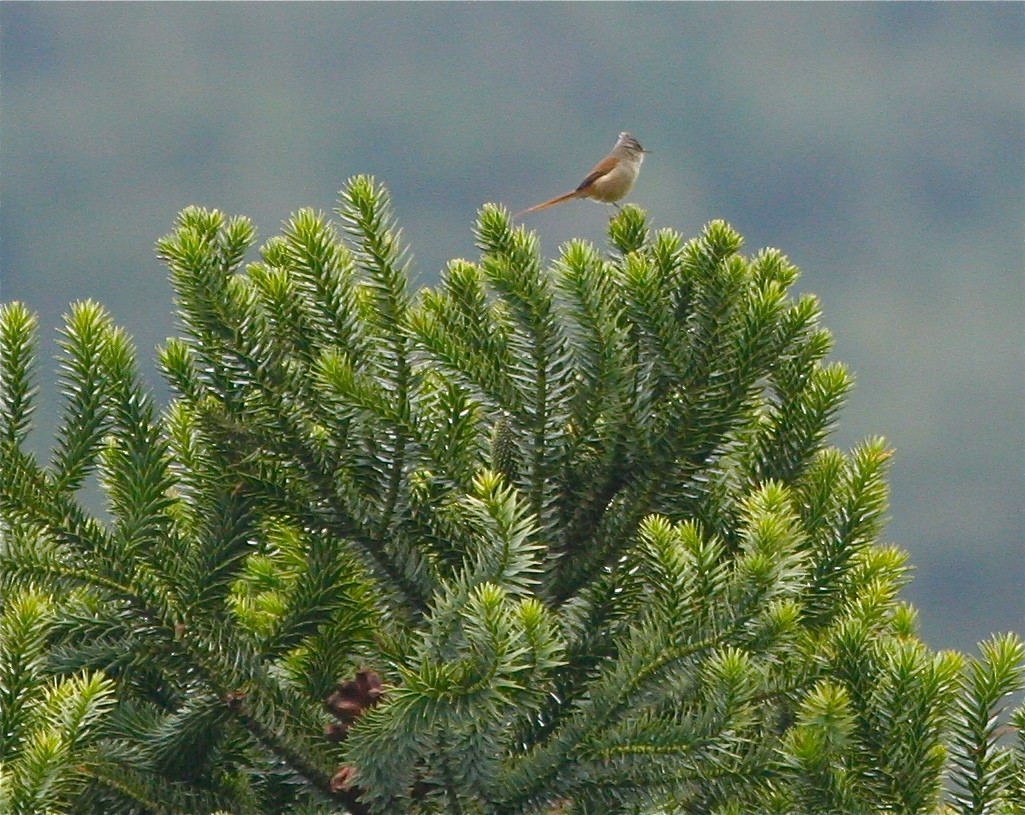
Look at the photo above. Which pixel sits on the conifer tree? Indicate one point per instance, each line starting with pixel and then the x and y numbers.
pixel 537 540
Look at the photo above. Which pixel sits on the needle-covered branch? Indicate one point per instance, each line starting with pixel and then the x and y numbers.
pixel 554 538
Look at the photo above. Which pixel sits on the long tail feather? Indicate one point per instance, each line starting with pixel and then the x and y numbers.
pixel 549 203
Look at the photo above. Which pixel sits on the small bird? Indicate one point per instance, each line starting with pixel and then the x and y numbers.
pixel 610 180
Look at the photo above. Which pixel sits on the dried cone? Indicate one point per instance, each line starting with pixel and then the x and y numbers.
pixel 351 698
pixel 348 702
pixel 341 781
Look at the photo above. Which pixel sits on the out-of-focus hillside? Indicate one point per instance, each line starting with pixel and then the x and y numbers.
pixel 879 145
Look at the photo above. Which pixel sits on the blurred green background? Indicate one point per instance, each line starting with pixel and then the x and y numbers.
pixel 880 146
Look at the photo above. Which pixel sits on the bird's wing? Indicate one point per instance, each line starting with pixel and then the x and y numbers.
pixel 603 167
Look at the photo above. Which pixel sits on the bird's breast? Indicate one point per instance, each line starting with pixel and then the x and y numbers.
pixel 615 184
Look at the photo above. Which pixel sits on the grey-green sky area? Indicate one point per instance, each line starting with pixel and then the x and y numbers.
pixel 881 146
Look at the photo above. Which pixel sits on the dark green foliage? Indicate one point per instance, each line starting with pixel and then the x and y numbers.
pixel 581 520
pixel 989 773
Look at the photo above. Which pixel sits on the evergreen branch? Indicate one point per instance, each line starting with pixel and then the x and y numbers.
pixel 595 332
pixel 817 752
pixel 323 269
pixel 24 624
pixel 96 558
pixel 177 361
pixel 135 465
pixel 327 588
pixel 601 415
pixel 289 325
pixel 798 427
pixel 610 527
pixel 850 518
pixel 322 499
pixel 241 358
pixel 179 744
pixel 276 718
pixel 679 439
pixel 507 552
pixel 661 338
pixel 1017 790
pixel 128 787
pixel 202 253
pixel 450 431
pixel 466 336
pixel 87 417
pixel 541 354
pixel 982 768
pixel 46 727
pixel 911 708
pixel 628 230
pixel 17 349
pixel 214 521
pixel 468 696
pixel 686 620
pixel 263 369
pixel 382 256
pixel 502 553
pixel 651 666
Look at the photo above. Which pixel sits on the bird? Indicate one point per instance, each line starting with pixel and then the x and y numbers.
pixel 610 180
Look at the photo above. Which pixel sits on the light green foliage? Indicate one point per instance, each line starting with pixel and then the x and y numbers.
pixel 47 726
pixel 581 520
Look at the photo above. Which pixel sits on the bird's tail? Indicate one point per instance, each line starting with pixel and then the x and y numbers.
pixel 549 203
